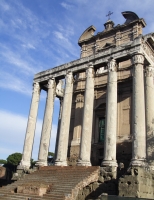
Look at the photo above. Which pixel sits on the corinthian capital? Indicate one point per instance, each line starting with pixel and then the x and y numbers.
pixel 138 58
pixel 69 77
pixel 51 82
pixel 36 87
pixel 89 71
pixel 112 65
pixel 149 71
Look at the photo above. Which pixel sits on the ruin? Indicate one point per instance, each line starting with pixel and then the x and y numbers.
pixel 106 113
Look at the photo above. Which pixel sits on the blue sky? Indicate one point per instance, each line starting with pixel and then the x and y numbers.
pixel 36 35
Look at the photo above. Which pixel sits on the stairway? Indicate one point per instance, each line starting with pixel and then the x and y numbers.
pixel 63 183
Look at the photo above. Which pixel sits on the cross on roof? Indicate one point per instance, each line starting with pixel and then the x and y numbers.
pixel 108 15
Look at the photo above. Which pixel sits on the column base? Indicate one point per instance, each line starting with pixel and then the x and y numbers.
pixel 109 163
pixel 60 163
pixel 138 163
pixel 41 163
pixel 24 165
pixel 83 163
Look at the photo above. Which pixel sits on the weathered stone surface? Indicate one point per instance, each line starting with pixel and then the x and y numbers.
pixel 139 134
pixel 139 183
pixel 47 125
pixel 61 158
pixel 149 111
pixel 29 139
pixel 33 188
pixel 86 134
pixel 111 122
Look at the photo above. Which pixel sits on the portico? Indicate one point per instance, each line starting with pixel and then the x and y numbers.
pixel 112 75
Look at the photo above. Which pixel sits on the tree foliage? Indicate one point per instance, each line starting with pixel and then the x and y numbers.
pixel 14 159
pixel 3 161
pixel 50 154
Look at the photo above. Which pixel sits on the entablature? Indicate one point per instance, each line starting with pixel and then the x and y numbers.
pixel 120 53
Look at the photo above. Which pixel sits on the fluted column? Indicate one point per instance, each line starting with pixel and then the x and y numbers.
pixel 86 133
pixel 61 159
pixel 111 117
pixel 138 115
pixel 29 138
pixel 47 125
pixel 149 108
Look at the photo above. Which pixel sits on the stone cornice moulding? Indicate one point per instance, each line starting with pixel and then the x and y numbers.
pixel 123 50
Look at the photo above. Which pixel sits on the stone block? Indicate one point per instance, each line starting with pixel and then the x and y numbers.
pixel 35 189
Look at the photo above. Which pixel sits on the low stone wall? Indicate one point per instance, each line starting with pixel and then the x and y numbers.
pixel 139 183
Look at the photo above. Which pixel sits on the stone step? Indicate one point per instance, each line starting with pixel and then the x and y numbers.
pixel 61 179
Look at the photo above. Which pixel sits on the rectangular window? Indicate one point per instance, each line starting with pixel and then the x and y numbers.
pixel 101 129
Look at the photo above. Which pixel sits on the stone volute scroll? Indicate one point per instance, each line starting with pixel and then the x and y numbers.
pixel 149 71
pixel 138 58
pixel 112 65
pixel 30 131
pixel 47 124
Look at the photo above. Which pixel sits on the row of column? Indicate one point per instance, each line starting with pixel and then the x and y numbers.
pixel 139 133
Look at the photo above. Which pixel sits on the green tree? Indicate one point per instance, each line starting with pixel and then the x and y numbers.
pixel 50 154
pixel 13 161
pixel 2 162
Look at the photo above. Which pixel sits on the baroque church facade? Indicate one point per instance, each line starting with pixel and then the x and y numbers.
pixel 106 113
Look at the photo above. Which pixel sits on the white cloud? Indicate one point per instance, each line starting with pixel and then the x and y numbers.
pixel 12 131
pixel 66 6
pixel 14 83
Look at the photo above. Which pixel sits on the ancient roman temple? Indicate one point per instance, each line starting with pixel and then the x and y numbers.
pixel 106 115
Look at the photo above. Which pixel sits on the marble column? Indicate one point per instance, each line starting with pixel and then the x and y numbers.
pixel 61 159
pixel 47 125
pixel 111 117
pixel 29 138
pixel 138 112
pixel 86 133
pixel 149 111
pixel 58 128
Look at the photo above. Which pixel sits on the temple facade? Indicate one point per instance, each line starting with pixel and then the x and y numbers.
pixel 106 97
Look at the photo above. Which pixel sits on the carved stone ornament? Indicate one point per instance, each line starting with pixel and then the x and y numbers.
pixel 36 87
pixel 100 70
pixel 138 58
pixel 79 99
pixel 149 71
pixel 51 83
pixel 112 65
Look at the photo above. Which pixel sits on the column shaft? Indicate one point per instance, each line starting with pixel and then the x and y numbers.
pixel 86 134
pixel 149 108
pixel 58 128
pixel 47 125
pixel 29 138
pixel 61 159
pixel 139 136
pixel 111 117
